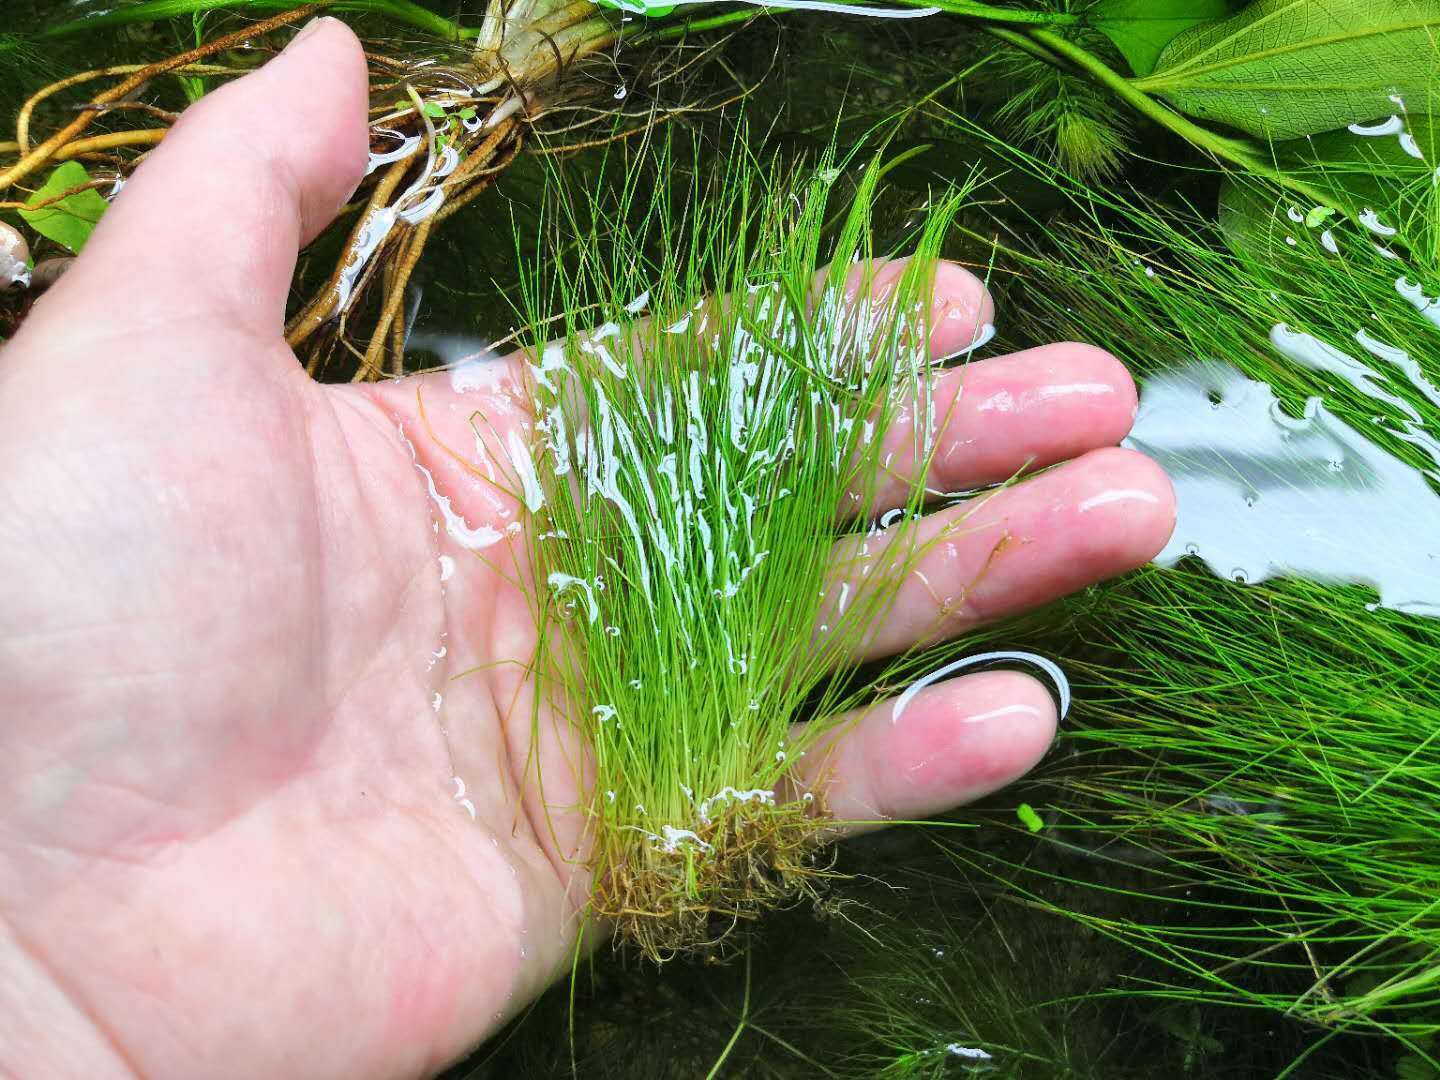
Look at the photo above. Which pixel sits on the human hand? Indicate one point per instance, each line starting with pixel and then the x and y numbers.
pixel 232 841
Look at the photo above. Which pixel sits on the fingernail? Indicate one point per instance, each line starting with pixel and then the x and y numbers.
pixel 308 30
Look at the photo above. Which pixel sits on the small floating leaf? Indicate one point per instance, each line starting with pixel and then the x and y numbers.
pixel 1284 68
pixel 1028 817
pixel 1317 214
pixel 71 220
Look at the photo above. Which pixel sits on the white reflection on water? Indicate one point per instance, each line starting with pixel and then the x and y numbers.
pixel 1262 494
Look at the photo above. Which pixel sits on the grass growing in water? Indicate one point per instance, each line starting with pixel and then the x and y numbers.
pixel 1269 755
pixel 693 476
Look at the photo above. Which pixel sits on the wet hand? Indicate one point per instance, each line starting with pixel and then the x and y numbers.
pixel 265 727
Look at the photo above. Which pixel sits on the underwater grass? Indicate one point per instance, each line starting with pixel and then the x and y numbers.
pixel 1270 760
pixel 693 475
pixel 1266 757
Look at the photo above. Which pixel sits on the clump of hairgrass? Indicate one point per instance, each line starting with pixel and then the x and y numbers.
pixel 1271 753
pixel 691 476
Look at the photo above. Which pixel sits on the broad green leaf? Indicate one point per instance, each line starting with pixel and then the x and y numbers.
pixel 1141 29
pixel 71 220
pixel 1382 174
pixel 1415 1067
pixel 1284 68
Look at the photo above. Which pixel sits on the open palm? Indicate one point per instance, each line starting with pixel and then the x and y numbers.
pixel 264 812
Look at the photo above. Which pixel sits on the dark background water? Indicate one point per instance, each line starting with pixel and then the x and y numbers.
pixel 913 954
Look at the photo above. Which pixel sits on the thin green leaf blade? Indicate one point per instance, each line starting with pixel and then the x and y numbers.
pixel 1377 175
pixel 1141 29
pixel 1286 68
pixel 71 220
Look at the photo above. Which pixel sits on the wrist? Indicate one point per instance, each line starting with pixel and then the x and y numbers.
pixel 45 1030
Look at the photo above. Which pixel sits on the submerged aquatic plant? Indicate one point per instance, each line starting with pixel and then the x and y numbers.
pixel 1077 120
pixel 1266 757
pixel 694 489
pixel 1248 797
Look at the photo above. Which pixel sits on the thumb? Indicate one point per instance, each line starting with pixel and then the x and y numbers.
pixel 209 226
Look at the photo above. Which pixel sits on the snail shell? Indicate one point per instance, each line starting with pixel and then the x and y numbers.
pixel 14 259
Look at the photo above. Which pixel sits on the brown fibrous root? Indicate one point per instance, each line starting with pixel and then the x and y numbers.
pixel 690 896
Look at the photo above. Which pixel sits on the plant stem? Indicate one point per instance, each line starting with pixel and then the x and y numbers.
pixel 644 31
pixel 46 151
pixel 739 1027
pixel 992 14
pixel 966 8
pixel 1221 147
pixel 1026 44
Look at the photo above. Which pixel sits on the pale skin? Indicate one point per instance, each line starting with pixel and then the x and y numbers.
pixel 230 842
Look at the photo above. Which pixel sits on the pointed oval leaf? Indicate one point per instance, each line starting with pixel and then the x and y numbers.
pixel 1285 68
pixel 1141 29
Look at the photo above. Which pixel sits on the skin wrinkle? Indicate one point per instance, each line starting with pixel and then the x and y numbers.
pixel 318 576
pixel 868 779
pixel 133 851
pixel 71 996
pixel 453 840
pixel 390 422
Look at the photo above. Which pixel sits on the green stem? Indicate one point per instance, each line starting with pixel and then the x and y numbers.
pixel 646 31
pixel 716 1068
pixel 1221 147
pixel 966 8
pixel 990 13
pixel 1024 43
pixel 1218 145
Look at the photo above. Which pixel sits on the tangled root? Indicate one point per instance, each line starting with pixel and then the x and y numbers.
pixel 686 893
